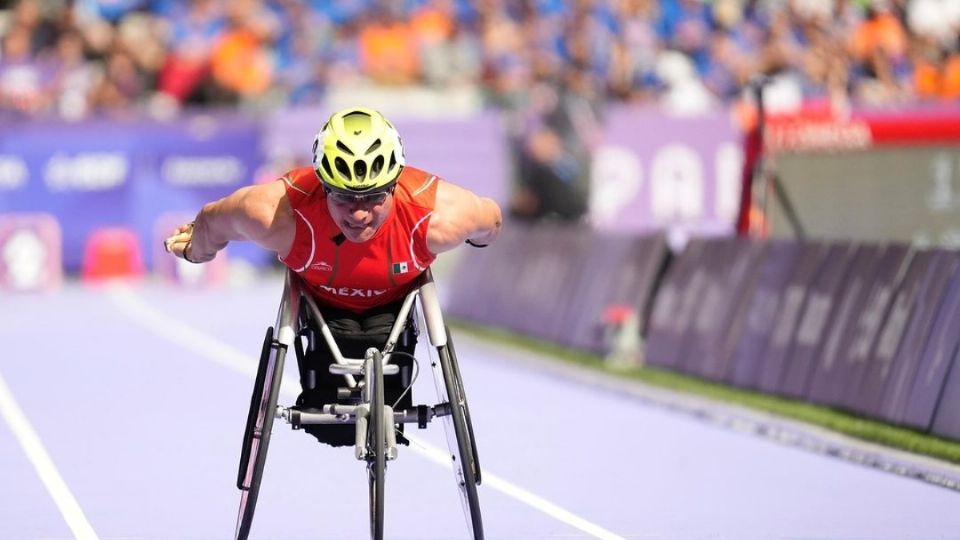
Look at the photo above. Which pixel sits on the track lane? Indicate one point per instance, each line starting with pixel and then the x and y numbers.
pixel 147 436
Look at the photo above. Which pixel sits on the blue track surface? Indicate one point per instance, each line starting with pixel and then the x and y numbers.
pixel 138 396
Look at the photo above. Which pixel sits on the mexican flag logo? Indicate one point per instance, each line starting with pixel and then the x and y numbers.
pixel 400 268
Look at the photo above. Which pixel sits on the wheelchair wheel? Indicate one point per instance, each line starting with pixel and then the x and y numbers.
pixel 376 451
pixel 466 468
pixel 256 436
pixel 466 407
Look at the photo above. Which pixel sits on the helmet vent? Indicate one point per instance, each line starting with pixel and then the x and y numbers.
pixel 342 167
pixel 360 169
pixel 393 161
pixel 376 167
pixel 325 163
pixel 374 146
pixel 344 148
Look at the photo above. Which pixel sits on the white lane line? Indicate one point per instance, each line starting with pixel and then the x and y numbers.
pixel 33 447
pixel 190 338
pixel 442 458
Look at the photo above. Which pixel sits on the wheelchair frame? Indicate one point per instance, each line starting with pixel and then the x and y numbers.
pixel 375 440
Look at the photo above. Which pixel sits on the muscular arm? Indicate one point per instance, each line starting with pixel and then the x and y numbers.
pixel 260 214
pixel 461 215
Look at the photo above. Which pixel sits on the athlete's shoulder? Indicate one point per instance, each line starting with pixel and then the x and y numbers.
pixel 418 184
pixel 302 180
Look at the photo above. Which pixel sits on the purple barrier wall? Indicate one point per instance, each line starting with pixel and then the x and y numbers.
pixel 880 365
pixel 933 286
pixel 673 306
pixel 946 423
pixel 761 309
pixel 788 314
pixel 469 293
pixel 745 276
pixel 554 282
pixel 732 263
pixel 707 306
pixel 617 269
pixel 551 266
pixel 936 359
pixel 478 290
pixel 893 266
pixel 818 311
pixel 830 374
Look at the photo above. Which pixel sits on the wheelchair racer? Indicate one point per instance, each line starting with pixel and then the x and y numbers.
pixel 359 227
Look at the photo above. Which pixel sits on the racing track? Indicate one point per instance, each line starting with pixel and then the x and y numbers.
pixel 122 412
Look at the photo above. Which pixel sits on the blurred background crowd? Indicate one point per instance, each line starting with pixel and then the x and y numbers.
pixel 551 65
pixel 74 58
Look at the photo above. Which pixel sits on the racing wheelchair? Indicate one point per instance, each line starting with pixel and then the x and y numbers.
pixel 360 402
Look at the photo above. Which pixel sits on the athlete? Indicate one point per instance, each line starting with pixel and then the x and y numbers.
pixel 359 227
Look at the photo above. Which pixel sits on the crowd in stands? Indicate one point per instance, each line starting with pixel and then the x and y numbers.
pixel 73 58
pixel 552 65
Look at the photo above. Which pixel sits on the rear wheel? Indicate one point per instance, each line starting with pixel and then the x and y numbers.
pixel 466 468
pixel 256 436
pixel 376 451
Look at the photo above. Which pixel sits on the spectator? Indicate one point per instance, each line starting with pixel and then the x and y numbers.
pixel 691 54
pixel 240 62
pixel 388 47
pixel 194 30
pixel 25 84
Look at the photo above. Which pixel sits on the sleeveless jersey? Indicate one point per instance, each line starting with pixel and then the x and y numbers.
pixel 360 276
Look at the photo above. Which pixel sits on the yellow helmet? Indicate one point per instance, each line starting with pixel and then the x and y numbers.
pixel 358 150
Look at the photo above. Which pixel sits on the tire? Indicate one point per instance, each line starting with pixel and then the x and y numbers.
pixel 256 437
pixel 455 368
pixel 376 451
pixel 465 465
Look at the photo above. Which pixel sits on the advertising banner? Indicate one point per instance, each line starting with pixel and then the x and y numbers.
pixel 791 304
pixel 616 270
pixel 98 174
pixel 674 305
pixel 932 290
pixel 947 421
pixel 763 303
pixel 861 347
pixel 657 172
pixel 831 376
pixel 817 313
pixel 733 263
pixel 936 359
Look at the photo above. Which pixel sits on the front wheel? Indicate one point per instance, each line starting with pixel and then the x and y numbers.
pixel 376 451
pixel 466 468
pixel 256 436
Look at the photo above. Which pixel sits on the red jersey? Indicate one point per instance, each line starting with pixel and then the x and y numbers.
pixel 360 276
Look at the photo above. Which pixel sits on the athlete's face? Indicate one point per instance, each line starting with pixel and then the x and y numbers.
pixel 359 218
